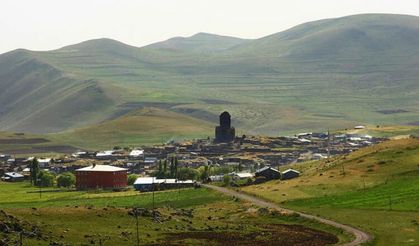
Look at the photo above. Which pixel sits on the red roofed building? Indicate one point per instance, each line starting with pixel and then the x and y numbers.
pixel 101 176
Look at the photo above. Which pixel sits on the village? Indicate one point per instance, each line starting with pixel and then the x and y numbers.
pixel 238 160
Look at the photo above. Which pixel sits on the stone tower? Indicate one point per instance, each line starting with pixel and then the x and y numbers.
pixel 224 133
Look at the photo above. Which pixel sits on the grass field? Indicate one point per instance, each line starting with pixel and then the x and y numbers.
pixel 375 188
pixel 188 216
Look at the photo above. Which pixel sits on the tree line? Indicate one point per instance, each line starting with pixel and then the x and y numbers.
pixel 42 178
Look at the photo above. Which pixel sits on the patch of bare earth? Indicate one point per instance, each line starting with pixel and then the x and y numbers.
pixel 268 235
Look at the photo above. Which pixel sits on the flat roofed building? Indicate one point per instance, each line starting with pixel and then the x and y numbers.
pixel 101 176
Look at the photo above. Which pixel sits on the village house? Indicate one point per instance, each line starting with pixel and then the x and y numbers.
pixel 13 177
pixel 101 176
pixel 289 174
pixel 268 172
pixel 241 176
pixel 145 184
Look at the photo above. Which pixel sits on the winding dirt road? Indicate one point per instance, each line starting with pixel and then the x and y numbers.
pixel 360 236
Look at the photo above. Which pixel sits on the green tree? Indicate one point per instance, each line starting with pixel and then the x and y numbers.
pixel 185 173
pixel 132 178
pixel 66 180
pixel 34 168
pixel 45 179
pixel 226 180
pixel 175 167
pixel 160 166
pixel 205 173
pixel 165 166
pixel 240 167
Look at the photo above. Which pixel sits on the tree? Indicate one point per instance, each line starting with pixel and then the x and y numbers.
pixel 132 178
pixel 226 180
pixel 205 174
pixel 160 166
pixel 165 166
pixel 175 167
pixel 185 173
pixel 240 166
pixel 45 179
pixel 66 180
pixel 34 168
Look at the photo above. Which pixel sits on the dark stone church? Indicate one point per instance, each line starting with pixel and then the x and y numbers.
pixel 224 133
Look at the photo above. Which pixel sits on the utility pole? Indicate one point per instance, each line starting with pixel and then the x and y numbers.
pixel 138 230
pixel 363 180
pixel 154 207
pixel 328 144
pixel 21 238
pixel 40 191
pixel 390 202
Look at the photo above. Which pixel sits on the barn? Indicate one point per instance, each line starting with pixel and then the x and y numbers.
pixel 289 174
pixel 268 172
pixel 101 176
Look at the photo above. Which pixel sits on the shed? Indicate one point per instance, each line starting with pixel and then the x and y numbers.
pixel 241 175
pixel 289 174
pixel 268 172
pixel 13 177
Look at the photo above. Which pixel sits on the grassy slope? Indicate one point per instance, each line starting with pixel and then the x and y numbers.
pixel 374 177
pixel 326 74
pixel 143 127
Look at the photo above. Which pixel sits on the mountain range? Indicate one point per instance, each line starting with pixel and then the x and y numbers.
pixel 332 73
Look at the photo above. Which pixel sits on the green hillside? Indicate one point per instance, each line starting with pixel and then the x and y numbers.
pixel 331 73
pixel 143 127
pixel 200 43
pixel 374 188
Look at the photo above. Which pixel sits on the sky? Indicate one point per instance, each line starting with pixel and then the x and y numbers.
pixel 51 24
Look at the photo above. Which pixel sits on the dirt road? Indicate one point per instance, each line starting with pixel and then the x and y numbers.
pixel 360 236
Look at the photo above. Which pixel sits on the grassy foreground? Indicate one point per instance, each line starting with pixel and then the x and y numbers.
pixel 187 216
pixel 375 189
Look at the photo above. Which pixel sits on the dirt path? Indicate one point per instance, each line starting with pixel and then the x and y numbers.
pixel 360 236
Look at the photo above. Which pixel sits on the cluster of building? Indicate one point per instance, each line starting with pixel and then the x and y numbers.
pixel 109 168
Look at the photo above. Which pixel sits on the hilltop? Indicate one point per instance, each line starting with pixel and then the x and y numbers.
pixel 332 73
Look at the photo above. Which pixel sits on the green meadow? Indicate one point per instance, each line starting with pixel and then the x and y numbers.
pixel 375 189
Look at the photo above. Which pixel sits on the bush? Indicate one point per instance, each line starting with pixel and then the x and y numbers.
pixel 226 180
pixel 185 173
pixel 132 178
pixel 45 179
pixel 66 180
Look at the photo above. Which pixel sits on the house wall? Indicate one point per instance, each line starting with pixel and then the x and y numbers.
pixel 105 180
pixel 289 175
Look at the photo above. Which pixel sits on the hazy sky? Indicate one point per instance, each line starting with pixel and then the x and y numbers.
pixel 50 24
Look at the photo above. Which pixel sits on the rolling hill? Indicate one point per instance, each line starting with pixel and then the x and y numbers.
pixel 374 188
pixel 330 73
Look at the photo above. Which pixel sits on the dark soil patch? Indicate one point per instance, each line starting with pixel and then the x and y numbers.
pixel 24 141
pixel 57 148
pixel 268 235
pixel 65 149
pixel 128 107
pixel 392 111
pixel 216 101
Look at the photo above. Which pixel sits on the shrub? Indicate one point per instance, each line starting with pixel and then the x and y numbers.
pixel 66 179
pixel 132 178
pixel 45 179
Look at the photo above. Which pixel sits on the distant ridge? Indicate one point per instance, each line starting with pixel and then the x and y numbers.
pixel 200 42
pixel 330 73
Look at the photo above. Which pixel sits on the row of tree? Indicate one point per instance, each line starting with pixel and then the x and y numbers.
pixel 43 178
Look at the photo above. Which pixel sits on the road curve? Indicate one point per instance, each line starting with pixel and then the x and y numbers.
pixel 360 236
